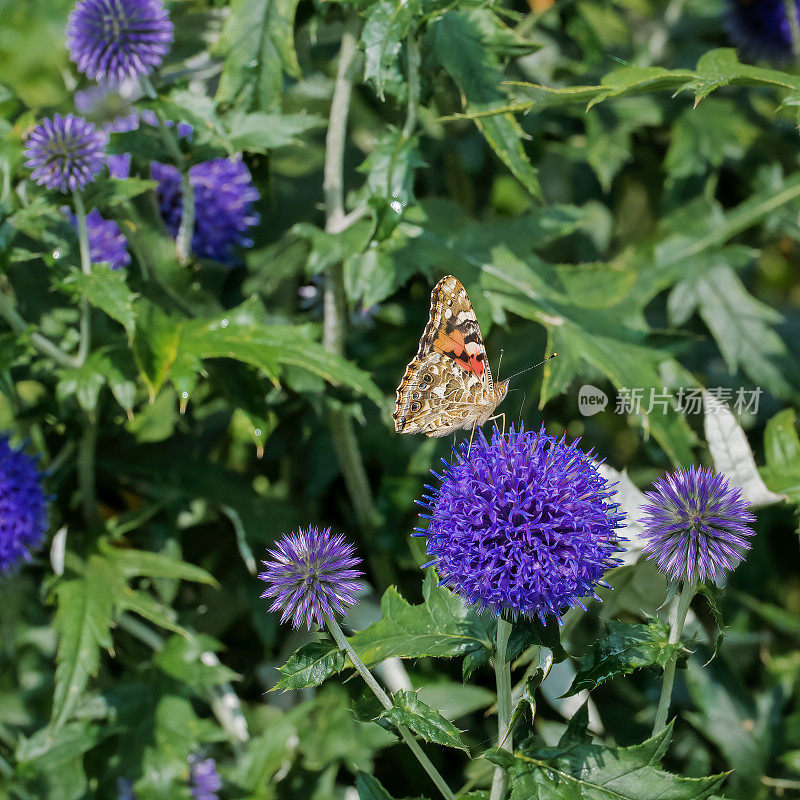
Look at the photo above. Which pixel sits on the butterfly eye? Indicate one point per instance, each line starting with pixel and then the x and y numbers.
pixel 415 407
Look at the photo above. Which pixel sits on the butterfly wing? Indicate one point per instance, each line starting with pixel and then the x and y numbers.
pixel 448 384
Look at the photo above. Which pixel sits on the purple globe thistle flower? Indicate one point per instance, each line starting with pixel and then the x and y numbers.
pixel 204 782
pixel 223 202
pixel 310 575
pixel 106 241
pixel 696 525
pixel 524 524
pixel 65 153
pixel 125 789
pixel 760 28
pixel 112 41
pixel 23 507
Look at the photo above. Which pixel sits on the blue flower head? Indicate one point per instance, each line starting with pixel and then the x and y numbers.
pixel 65 153
pixel 760 28
pixel 224 195
pixel 112 41
pixel 310 575
pixel 107 244
pixel 696 525
pixel 23 507
pixel 523 524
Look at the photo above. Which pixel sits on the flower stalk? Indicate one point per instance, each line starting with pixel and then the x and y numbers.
pixel 386 702
pixel 86 268
pixel 677 617
pixel 793 16
pixel 502 672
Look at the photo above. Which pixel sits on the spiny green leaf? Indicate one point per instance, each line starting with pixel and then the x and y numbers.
pixel 257 42
pixel 625 648
pixel 442 626
pixel 105 289
pixel 386 25
pixel 369 788
pixel 191 661
pixel 83 621
pixel 310 665
pixel 584 771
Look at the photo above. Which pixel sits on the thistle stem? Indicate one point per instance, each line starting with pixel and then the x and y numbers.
pixel 183 241
pixel 677 617
pixel 502 672
pixel 335 307
pixel 41 343
pixel 386 702
pixel 86 474
pixel 86 268
pixel 414 62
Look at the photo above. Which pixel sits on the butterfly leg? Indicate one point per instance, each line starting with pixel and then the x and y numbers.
pixel 497 416
pixel 471 436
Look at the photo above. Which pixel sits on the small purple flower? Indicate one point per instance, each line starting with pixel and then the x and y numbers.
pixel 760 28
pixel 310 575
pixel 125 789
pixel 23 507
pixel 106 241
pixel 112 41
pixel 65 153
pixel 524 524
pixel 224 195
pixel 696 525
pixel 204 782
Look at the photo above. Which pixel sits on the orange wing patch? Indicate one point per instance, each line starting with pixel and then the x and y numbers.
pixel 452 344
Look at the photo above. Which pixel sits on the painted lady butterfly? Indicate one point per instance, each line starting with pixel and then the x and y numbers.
pixel 448 384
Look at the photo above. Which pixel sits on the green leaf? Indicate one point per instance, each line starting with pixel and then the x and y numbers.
pixel 625 648
pixel 527 633
pixel 266 754
pixel 584 771
pixel 782 451
pixel 527 699
pixel 257 42
pixel 310 665
pixel 105 289
pixel 155 344
pixel 712 595
pixel 83 621
pixel 192 662
pixel 459 45
pixel 427 722
pixel 386 24
pixel 259 132
pixel 131 563
pixel 83 383
pixel 109 192
pixel 441 626
pixel 369 788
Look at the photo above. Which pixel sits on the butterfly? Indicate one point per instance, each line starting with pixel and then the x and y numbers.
pixel 448 384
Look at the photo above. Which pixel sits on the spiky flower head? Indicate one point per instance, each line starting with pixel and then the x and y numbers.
pixel 23 507
pixel 65 153
pixel 107 244
pixel 696 525
pixel 224 195
pixel 761 28
pixel 112 41
pixel 310 575
pixel 204 781
pixel 522 524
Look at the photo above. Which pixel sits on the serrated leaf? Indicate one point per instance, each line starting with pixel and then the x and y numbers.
pixel 386 24
pixel 259 132
pixel 459 45
pixel 528 632
pixel 782 451
pixel 623 649
pixel 310 665
pixel 257 42
pixel 712 597
pixel 82 383
pixel 427 722
pixel 732 454
pixel 441 626
pixel 105 289
pixel 527 699
pixel 190 660
pixel 585 771
pixel 83 621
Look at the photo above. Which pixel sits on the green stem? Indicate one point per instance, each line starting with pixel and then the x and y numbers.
pixel 169 135
pixel 677 618
pixel 86 474
pixel 502 672
pixel 335 309
pixel 86 268
pixel 794 25
pixel 386 702
pixel 414 62
pixel 41 343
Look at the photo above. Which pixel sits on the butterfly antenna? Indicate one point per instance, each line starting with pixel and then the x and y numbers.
pixel 522 405
pixel 499 362
pixel 553 355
